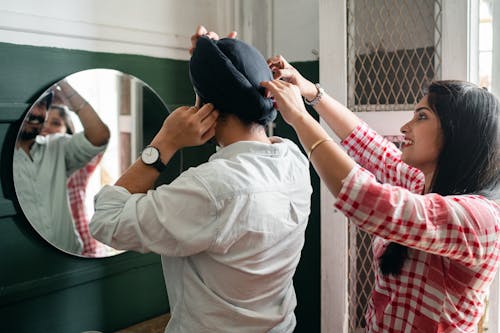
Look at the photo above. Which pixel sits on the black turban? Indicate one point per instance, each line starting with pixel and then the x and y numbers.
pixel 228 73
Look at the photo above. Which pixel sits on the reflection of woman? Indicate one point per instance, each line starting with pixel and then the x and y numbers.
pixel 43 164
pixel 59 121
pixel 431 206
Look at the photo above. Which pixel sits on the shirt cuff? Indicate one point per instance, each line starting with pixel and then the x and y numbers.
pixel 86 145
pixel 358 133
pixel 112 193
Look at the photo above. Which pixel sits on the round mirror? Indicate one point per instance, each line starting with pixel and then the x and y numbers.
pixel 78 136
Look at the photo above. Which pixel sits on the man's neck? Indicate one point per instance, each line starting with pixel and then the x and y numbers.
pixel 231 129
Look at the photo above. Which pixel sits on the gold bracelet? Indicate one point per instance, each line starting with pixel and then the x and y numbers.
pixel 316 144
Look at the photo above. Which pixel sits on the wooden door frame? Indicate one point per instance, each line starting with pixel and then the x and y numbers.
pixel 455 64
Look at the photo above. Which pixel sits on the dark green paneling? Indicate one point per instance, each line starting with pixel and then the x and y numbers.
pixel 41 288
pixel 45 290
pixel 308 276
pixel 114 301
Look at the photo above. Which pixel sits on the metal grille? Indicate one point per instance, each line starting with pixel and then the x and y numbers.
pixel 393 51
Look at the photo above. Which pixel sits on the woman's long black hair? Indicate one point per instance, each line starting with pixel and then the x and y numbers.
pixel 469 162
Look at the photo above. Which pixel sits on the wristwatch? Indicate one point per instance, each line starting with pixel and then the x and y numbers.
pixel 151 156
pixel 318 96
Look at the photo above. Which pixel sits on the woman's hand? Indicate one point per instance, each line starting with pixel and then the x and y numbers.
pixel 186 127
pixel 288 100
pixel 202 31
pixel 284 71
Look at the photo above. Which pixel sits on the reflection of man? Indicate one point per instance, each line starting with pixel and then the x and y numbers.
pixel 43 164
pixel 230 231
pixel 58 120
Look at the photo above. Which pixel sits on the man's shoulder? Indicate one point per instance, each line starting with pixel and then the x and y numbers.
pixel 246 172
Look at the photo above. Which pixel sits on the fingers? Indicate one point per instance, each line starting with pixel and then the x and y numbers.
pixel 205 111
pixel 274 85
pixel 210 133
pixel 283 74
pixel 278 61
pixel 201 30
pixel 212 35
pixel 180 108
pixel 207 118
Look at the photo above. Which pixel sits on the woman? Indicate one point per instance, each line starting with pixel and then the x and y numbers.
pixel 59 121
pixel 431 206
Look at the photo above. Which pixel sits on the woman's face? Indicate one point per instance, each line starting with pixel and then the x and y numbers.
pixel 53 124
pixel 423 138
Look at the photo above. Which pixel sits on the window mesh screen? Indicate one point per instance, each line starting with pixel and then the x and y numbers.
pixel 393 52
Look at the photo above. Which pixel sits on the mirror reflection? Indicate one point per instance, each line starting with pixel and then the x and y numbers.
pixel 79 135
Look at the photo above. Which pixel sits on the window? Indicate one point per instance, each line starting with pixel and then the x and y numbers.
pixel 485 43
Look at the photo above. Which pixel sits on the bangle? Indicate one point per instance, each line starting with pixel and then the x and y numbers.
pixel 77 110
pixel 316 144
pixel 318 96
pixel 71 95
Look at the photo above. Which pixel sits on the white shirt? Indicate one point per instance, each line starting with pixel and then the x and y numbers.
pixel 40 183
pixel 230 233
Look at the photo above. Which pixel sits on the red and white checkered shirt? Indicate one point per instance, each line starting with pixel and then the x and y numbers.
pixel 453 240
pixel 77 185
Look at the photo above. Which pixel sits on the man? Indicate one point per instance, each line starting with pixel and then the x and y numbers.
pixel 42 166
pixel 231 230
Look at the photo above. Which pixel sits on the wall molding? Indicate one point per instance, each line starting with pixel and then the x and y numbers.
pixel 10 112
pixel 7 208
pixel 42 286
pixel 37 30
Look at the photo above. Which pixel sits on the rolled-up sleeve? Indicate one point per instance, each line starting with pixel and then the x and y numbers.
pixel 78 151
pixel 382 158
pixel 178 219
pixel 462 227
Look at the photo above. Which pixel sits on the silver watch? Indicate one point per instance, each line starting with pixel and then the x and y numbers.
pixel 151 156
pixel 318 96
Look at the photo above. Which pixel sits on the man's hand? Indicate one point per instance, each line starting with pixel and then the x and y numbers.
pixel 202 31
pixel 185 127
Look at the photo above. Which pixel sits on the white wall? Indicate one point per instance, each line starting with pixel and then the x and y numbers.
pixel 160 28
pixel 296 29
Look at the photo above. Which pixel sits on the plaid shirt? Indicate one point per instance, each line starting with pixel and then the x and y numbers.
pixel 77 184
pixel 453 241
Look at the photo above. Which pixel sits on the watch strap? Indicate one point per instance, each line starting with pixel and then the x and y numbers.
pixel 158 165
pixel 317 98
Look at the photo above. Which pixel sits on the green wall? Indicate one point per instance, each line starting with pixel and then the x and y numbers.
pixel 45 290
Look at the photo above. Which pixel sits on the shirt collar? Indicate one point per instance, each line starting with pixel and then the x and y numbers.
pixel 277 147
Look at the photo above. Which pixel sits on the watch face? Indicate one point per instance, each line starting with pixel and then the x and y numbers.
pixel 150 155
